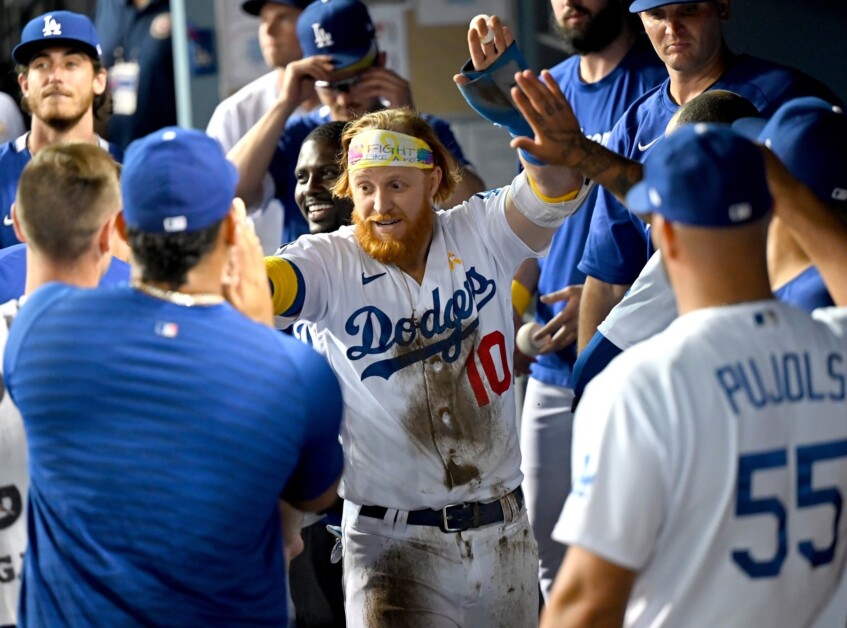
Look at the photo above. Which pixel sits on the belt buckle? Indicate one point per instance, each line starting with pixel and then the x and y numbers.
pixel 445 527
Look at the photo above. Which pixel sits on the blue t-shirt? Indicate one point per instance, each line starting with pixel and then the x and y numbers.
pixel 14 156
pixel 160 439
pixel 142 36
pixel 618 243
pixel 288 150
pixel 13 272
pixel 598 106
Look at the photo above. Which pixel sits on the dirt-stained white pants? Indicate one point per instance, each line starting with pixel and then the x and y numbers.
pixel 418 576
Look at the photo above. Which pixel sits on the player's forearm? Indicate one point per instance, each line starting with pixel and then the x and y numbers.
pixel 614 172
pixel 253 153
pixel 598 299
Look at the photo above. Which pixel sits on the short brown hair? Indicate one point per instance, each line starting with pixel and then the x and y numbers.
pixel 64 196
pixel 402 120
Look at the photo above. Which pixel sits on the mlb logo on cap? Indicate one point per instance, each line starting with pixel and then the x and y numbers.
pixel 340 28
pixel 59 28
pixel 704 175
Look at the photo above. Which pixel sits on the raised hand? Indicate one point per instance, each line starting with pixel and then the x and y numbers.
pixel 558 137
pixel 245 281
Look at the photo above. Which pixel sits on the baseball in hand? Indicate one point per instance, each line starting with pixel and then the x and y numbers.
pixel 524 340
pixel 489 36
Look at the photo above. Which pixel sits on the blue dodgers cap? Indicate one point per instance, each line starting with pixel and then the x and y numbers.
pixel 704 175
pixel 176 180
pixel 341 28
pixel 809 135
pixel 254 7
pixel 645 5
pixel 59 28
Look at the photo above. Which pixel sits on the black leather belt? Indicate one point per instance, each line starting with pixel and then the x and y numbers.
pixel 456 517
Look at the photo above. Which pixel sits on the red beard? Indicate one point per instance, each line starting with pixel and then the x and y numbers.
pixel 403 252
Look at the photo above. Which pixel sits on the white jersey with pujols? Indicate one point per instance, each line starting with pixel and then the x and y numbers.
pixel 426 370
pixel 712 459
pixel 647 308
pixel 14 485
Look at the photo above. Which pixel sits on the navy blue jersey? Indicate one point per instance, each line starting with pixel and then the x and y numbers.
pixel 618 243
pixel 288 150
pixel 160 439
pixel 13 272
pixel 14 156
pixel 598 106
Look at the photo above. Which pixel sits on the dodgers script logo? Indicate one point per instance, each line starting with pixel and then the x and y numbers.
pixel 51 26
pixel 378 333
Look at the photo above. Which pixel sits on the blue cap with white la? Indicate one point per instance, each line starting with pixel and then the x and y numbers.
pixel 704 175
pixel 176 180
pixel 809 135
pixel 58 28
pixel 646 5
pixel 340 28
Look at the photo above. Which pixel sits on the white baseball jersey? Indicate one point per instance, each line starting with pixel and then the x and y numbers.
pixel 237 114
pixel 230 121
pixel 426 370
pixel 712 459
pixel 647 308
pixel 14 485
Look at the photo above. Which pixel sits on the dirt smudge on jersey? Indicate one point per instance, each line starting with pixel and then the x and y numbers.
pixel 443 414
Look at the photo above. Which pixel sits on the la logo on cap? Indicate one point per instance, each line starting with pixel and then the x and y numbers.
pixel 51 26
pixel 322 38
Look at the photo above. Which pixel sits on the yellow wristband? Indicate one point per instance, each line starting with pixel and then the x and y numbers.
pixel 520 297
pixel 283 283
pixel 549 199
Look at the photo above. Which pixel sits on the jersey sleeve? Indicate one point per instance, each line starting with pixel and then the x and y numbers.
pixel 619 493
pixel 222 127
pixel 321 460
pixel 617 246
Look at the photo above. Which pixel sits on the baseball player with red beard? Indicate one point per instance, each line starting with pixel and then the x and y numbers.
pixel 416 310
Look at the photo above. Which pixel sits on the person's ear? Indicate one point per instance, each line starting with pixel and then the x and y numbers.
pixel 435 177
pixel 100 81
pixel 16 225
pixel 106 235
pixel 723 9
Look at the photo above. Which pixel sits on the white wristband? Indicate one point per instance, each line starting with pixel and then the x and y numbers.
pixel 541 212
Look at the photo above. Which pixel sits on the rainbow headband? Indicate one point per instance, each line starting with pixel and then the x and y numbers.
pixel 377 147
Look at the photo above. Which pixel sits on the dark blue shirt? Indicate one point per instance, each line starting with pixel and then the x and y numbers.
pixel 160 440
pixel 13 272
pixel 143 36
